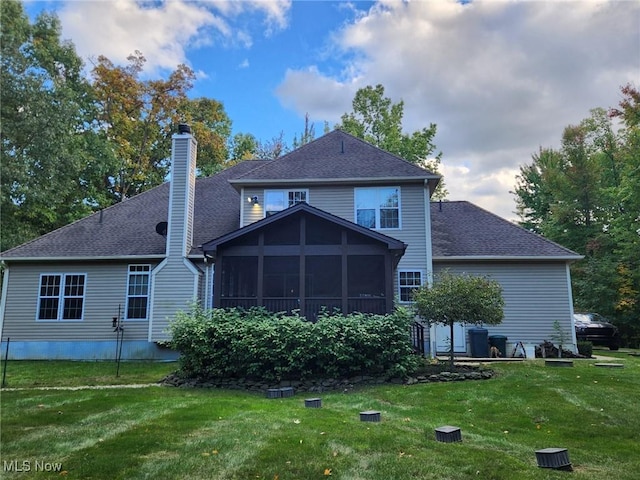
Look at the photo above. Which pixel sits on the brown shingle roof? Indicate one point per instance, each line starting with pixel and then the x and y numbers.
pixel 459 229
pixel 129 228
pixel 336 156
pixel 462 229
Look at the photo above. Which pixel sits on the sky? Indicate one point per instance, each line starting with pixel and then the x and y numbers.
pixel 500 79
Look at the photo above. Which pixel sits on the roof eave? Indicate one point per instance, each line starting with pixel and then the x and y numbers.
pixel 81 258
pixel 297 181
pixel 508 258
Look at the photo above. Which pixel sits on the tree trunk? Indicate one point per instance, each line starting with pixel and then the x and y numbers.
pixel 451 345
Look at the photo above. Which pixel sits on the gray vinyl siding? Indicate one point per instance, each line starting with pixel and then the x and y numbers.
pixel 175 287
pixel 536 294
pixel 182 187
pixel 105 291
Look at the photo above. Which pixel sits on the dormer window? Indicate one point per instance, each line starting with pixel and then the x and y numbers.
pixel 277 200
pixel 378 207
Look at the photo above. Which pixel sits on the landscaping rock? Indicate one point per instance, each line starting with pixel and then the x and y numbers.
pixel 440 374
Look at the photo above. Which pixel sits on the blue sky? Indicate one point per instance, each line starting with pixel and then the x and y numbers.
pixel 499 78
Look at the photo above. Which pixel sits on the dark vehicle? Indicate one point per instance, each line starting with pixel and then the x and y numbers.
pixel 594 328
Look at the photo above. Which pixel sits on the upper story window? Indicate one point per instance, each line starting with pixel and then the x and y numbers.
pixel 277 200
pixel 408 282
pixel 138 292
pixel 378 207
pixel 61 297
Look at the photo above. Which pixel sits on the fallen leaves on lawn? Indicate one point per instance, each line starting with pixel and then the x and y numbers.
pixel 327 471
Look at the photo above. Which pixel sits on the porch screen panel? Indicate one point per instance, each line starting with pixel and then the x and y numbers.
pixel 323 276
pixel 281 277
pixel 366 283
pixel 239 277
pixel 366 275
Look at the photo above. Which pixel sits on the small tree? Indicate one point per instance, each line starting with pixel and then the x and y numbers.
pixel 460 299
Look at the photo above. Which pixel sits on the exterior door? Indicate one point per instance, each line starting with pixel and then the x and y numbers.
pixel 459 338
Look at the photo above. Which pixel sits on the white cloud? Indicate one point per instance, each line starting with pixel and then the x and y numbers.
pixel 164 31
pixel 114 28
pixel 498 78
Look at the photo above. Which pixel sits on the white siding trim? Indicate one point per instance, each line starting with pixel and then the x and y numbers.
pixel 427 234
pixel 89 259
pixel 242 200
pixel 509 258
pixel 3 300
pixel 574 339
pixel 152 296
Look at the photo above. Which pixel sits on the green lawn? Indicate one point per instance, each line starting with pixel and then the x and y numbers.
pixel 171 433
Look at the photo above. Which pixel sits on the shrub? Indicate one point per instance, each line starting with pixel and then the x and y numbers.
pixel 585 348
pixel 234 343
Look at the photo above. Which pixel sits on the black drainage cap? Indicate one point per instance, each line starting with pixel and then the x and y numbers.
pixel 448 434
pixel 286 392
pixel 274 393
pixel 313 403
pixel 557 458
pixel 370 416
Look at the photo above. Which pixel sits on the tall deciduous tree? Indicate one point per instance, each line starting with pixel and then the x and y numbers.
pixel 212 127
pixel 586 196
pixel 138 118
pixel 460 299
pixel 51 159
pixel 243 146
pixel 378 121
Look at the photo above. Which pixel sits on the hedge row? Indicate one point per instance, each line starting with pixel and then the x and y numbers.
pixel 234 343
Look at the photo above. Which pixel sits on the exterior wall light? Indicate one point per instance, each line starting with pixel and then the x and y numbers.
pixel 253 200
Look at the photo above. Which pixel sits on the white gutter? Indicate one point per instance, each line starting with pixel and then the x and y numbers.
pixel 511 258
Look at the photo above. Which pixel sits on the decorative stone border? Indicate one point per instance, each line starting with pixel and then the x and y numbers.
pixel 322 385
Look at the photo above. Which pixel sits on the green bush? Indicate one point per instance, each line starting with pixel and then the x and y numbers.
pixel 234 343
pixel 585 348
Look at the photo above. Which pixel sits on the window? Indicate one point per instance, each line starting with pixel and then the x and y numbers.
pixel 378 207
pixel 407 283
pixel 138 292
pixel 277 200
pixel 61 297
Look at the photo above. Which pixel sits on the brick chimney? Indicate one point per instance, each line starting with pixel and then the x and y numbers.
pixel 182 193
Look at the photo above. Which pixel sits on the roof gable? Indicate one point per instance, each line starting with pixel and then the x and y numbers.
pixel 336 156
pixel 210 248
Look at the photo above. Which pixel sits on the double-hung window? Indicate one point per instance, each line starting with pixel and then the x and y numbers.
pixel 138 292
pixel 61 296
pixel 378 207
pixel 277 200
pixel 408 282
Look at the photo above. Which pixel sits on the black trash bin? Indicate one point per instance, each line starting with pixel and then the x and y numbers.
pixel 478 342
pixel 500 342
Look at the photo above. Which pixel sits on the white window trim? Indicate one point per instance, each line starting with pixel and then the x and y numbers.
pixel 355 206
pixel 127 296
pixel 409 270
pixel 61 296
pixel 286 192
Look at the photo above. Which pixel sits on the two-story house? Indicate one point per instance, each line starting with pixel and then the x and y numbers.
pixel 336 224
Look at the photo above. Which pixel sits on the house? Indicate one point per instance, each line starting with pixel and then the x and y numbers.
pixel 337 223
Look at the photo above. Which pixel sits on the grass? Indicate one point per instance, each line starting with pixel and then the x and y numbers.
pixel 168 433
